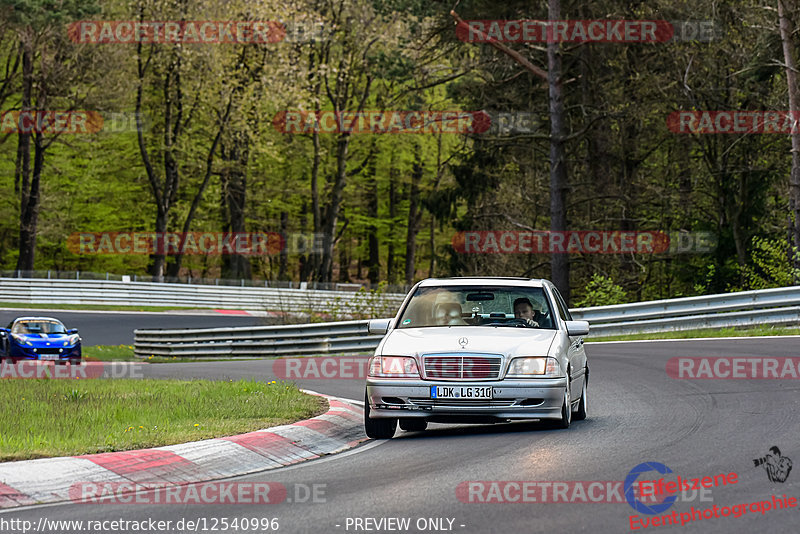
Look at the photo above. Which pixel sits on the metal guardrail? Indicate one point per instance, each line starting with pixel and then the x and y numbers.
pixel 779 306
pixel 227 282
pixel 110 292
pixel 748 308
pixel 321 338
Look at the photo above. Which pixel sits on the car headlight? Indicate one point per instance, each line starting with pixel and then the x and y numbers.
pixel 527 367
pixel 393 367
pixel 22 340
pixel 72 340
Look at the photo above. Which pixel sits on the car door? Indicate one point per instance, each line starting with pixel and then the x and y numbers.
pixel 577 354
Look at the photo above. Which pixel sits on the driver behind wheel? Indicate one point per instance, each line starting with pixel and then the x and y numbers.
pixel 523 309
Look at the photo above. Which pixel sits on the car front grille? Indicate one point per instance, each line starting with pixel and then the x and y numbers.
pixel 466 403
pixel 48 350
pixel 462 366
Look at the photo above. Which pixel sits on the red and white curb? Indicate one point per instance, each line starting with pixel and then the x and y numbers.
pixel 49 480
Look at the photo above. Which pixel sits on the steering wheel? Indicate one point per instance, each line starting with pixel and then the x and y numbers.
pixel 516 322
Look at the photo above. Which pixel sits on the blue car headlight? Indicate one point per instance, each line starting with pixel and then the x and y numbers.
pixel 21 340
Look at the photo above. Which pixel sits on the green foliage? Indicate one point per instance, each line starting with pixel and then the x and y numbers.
pixel 626 170
pixel 769 265
pixel 41 13
pixel 601 291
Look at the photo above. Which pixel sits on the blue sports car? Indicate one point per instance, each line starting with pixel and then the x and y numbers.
pixel 39 338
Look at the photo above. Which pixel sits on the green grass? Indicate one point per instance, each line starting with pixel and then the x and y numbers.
pixel 98 307
pixel 109 353
pixel 43 418
pixel 764 330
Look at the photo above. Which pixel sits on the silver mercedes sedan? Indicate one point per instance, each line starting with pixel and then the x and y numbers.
pixel 477 350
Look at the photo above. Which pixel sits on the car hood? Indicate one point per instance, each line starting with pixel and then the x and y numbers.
pixel 504 340
pixel 44 340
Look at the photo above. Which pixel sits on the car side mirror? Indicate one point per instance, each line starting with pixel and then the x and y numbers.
pixel 72 331
pixel 378 326
pixel 578 328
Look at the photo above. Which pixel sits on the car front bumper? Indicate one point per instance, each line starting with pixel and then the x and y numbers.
pixel 511 399
pixel 27 352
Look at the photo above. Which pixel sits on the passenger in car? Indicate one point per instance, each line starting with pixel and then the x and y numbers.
pixel 448 314
pixel 523 309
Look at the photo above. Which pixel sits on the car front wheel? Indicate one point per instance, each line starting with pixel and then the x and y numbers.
pixel 583 403
pixel 378 428
pixel 566 409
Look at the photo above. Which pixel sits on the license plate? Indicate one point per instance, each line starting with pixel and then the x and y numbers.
pixel 461 392
pixel 48 356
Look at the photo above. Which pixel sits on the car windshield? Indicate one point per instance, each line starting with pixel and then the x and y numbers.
pixel 478 306
pixel 38 327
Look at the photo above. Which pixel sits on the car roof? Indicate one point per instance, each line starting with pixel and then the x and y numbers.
pixel 52 319
pixel 484 281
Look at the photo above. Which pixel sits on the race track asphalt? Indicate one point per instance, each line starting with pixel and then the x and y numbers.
pixel 637 414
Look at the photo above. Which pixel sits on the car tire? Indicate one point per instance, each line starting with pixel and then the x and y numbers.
pixel 566 409
pixel 378 428
pixel 413 425
pixel 583 403
pixel 61 362
pixel 75 362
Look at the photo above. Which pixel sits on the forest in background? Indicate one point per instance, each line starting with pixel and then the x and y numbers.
pixel 194 147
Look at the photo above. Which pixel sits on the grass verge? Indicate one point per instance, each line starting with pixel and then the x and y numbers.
pixel 109 353
pixel 764 330
pixel 44 418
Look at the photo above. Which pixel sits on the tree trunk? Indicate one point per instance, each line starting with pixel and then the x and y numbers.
pixel 234 190
pixel 432 266
pixel 390 261
pixel 414 216
pixel 559 263
pixel 330 223
pixel 786 29
pixel 22 172
pixel 284 254
pixel 373 253
pixel 344 264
